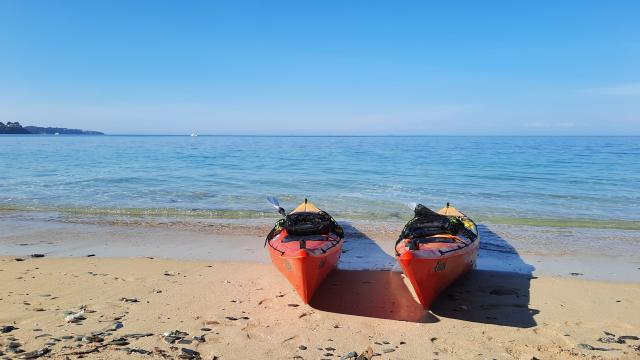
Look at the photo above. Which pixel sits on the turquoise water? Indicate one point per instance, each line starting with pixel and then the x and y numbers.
pixel 555 181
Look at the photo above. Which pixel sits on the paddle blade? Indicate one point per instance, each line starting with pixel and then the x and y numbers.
pixel 273 201
pixel 276 204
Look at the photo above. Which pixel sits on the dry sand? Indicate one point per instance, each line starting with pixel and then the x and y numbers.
pixel 248 311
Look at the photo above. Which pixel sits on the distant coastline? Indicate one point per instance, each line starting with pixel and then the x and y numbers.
pixel 14 128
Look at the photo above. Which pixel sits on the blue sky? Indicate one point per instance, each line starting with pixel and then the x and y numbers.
pixel 329 67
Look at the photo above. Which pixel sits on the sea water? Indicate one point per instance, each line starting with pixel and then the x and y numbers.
pixel 556 181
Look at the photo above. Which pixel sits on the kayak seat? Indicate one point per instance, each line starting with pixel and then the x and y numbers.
pixel 428 240
pixel 414 244
pixel 291 238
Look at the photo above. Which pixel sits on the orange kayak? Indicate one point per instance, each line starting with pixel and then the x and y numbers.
pixel 435 249
pixel 305 246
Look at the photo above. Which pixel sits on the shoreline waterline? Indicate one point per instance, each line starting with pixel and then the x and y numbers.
pixel 178 214
pixel 606 255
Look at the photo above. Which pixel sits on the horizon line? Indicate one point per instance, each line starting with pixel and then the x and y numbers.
pixel 334 135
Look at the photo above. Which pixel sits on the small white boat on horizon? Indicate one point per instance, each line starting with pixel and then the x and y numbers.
pixel 193 135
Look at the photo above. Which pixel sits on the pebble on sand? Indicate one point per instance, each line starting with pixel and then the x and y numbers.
pixel 173 336
pixel 138 351
pixel 93 338
pixel 119 342
pixel 7 329
pixel 628 337
pixel 35 354
pixel 591 347
pixel 188 354
pixel 75 317
pixel 349 355
pixel 199 338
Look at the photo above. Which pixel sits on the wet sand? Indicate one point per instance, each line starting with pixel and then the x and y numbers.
pixel 368 246
pixel 247 310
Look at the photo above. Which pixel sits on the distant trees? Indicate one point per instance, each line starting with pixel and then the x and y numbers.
pixel 12 128
pixel 61 131
pixel 16 128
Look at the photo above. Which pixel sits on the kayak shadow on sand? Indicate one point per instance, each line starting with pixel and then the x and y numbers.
pixel 368 283
pixel 364 284
pixel 497 292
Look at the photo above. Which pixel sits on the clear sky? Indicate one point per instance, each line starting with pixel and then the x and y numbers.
pixel 329 67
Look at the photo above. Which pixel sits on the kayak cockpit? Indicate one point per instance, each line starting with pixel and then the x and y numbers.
pixel 307 238
pixel 437 233
pixel 436 246
pixel 305 228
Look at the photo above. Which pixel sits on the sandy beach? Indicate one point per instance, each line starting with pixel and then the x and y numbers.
pixel 245 310
pixel 108 291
